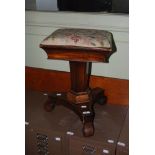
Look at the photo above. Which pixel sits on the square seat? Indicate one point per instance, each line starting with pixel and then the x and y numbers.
pixel 80 38
pixel 81 41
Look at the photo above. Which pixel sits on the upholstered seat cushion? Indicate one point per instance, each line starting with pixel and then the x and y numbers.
pixel 83 38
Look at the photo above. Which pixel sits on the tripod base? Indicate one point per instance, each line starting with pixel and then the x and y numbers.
pixel 84 110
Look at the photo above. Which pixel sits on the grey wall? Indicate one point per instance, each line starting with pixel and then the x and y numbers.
pixel 46 5
pixel 30 4
pixel 120 6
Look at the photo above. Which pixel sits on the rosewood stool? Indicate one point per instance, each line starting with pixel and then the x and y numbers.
pixel 80 47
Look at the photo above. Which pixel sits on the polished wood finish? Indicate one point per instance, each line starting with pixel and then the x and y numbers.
pixel 78 98
pixel 84 110
pixel 116 90
pixel 77 54
pixel 80 75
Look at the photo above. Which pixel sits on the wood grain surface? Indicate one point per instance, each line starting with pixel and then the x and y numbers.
pixel 117 90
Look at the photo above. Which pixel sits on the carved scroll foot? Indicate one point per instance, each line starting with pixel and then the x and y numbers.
pixel 49 105
pixel 98 96
pixel 88 115
pixel 88 129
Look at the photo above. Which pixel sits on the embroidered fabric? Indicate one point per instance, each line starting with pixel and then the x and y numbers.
pixel 89 38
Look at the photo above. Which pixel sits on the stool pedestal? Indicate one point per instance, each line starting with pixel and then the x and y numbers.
pixel 70 45
pixel 81 98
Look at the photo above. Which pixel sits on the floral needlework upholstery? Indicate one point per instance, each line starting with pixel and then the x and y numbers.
pixel 83 38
